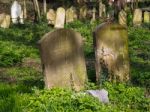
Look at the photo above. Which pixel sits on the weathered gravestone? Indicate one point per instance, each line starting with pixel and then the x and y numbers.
pixel 6 22
pixel 2 17
pixel 71 15
pixel 83 12
pixel 93 15
pixel 60 18
pixel 111 51
pixel 102 10
pixel 122 18
pixel 63 60
pixel 15 12
pixel 51 16
pixel 21 20
pixel 137 17
pixel 146 17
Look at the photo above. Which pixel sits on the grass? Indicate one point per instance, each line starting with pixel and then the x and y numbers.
pixel 22 85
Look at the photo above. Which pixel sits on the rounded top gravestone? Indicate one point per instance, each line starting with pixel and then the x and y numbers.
pixel 137 17
pixel 111 51
pixel 60 18
pixel 15 10
pixel 63 60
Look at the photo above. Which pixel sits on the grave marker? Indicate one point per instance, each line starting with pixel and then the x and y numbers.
pixel 111 51
pixel 83 12
pixel 15 12
pixel 137 17
pixel 6 22
pixel 63 59
pixel 60 18
pixel 71 15
pixel 146 17
pixel 122 18
pixel 51 16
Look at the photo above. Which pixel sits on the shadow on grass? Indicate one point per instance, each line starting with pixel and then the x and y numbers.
pixel 140 74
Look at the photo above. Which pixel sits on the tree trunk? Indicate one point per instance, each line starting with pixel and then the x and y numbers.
pixel 45 6
pixel 37 10
pixel 24 9
pixel 116 10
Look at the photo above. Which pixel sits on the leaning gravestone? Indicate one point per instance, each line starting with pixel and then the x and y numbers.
pixel 62 59
pixel 60 18
pixel 71 15
pixel 137 17
pixel 111 51
pixel 15 12
pixel 122 18
pixel 146 17
pixel 51 16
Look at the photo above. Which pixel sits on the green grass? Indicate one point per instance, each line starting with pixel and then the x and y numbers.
pixel 22 85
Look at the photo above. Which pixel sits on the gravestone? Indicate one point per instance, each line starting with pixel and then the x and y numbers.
pixel 102 10
pixel 137 17
pixel 51 16
pixel 6 22
pixel 63 59
pixel 122 18
pixel 2 17
pixel 21 20
pixel 60 18
pixel 71 15
pixel 146 17
pixel 111 51
pixel 93 15
pixel 15 12
pixel 83 12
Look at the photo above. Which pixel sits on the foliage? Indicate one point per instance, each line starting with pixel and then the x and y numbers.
pixel 139 40
pixel 122 98
pixel 19 42
pixel 21 87
pixel 126 98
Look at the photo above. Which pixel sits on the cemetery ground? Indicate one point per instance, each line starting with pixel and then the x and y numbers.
pixel 22 81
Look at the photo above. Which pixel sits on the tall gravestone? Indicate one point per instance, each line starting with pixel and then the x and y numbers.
pixel 137 17
pixel 21 17
pixel 51 16
pixel 15 12
pixel 93 15
pixel 146 17
pixel 71 14
pixel 60 18
pixel 63 59
pixel 102 9
pixel 111 51
pixel 122 18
